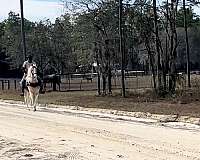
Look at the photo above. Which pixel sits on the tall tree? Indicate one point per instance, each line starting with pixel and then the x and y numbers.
pixel 159 68
pixel 187 44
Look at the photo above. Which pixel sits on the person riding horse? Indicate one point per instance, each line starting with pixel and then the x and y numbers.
pixel 25 67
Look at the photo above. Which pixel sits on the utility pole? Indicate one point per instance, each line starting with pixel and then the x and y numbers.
pixel 187 44
pixel 121 49
pixel 22 29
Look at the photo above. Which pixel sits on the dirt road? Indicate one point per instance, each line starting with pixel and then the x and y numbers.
pixel 50 135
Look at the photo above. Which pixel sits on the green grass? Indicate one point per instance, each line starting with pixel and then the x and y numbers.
pixel 135 102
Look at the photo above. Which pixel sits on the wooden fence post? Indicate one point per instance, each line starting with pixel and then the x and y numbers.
pixel 2 84
pixel 15 83
pixel 8 84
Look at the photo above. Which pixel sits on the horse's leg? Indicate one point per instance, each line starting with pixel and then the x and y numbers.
pixel 36 94
pixel 31 98
pixel 26 98
pixel 45 85
pixel 35 103
pixel 58 85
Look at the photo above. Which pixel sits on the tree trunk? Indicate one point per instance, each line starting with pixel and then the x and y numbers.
pixel 166 63
pixel 98 79
pixel 54 85
pixel 159 68
pixel 22 29
pixel 173 47
pixel 187 44
pixel 109 81
pixel 153 70
pixel 121 49
pixel 152 62
pixel 104 83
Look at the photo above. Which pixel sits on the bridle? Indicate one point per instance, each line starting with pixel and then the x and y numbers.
pixel 34 72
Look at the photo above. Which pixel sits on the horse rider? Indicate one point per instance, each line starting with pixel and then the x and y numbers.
pixel 29 62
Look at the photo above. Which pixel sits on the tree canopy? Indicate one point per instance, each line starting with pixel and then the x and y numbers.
pixel 69 42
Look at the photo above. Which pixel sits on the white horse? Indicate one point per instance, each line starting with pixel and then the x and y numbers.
pixel 31 93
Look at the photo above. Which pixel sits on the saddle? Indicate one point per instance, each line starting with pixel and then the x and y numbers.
pixel 33 84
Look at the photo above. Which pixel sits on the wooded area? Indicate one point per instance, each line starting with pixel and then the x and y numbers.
pixel 154 39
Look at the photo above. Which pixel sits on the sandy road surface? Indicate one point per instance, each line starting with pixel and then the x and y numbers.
pixel 45 135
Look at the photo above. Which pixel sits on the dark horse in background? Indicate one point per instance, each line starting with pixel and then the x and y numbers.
pixel 54 79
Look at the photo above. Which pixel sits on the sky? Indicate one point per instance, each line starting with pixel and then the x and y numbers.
pixel 34 10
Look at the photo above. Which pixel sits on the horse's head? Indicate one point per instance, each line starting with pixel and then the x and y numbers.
pixel 32 73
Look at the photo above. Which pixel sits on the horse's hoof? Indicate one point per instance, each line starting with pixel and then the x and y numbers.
pixel 34 109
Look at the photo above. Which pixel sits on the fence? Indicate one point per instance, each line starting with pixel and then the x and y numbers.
pixel 83 82
pixel 73 82
pixel 9 84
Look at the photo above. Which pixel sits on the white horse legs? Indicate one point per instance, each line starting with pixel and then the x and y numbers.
pixel 26 98
pixel 31 97
pixel 34 98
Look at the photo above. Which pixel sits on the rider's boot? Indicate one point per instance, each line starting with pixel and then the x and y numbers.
pixel 22 93
pixel 23 87
pixel 41 85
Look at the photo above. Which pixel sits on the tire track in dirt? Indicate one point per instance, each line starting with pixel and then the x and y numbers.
pixel 56 136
